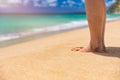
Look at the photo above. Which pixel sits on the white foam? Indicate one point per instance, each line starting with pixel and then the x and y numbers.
pixel 112 19
pixel 66 26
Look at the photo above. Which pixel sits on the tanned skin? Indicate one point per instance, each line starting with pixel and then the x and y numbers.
pixel 96 14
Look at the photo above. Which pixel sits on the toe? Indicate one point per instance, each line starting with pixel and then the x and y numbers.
pixel 77 49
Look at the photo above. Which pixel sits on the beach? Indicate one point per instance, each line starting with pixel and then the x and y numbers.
pixel 51 58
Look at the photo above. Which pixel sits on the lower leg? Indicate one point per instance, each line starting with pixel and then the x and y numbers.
pixel 96 18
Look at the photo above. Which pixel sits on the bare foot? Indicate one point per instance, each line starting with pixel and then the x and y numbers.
pixel 82 49
pixel 89 49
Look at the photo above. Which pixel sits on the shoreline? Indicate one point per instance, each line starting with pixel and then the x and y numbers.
pixel 35 36
pixel 39 34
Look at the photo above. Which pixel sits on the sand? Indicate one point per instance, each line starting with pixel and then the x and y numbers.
pixel 51 58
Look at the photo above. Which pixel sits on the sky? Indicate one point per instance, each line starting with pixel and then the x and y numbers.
pixel 41 3
pixel 44 3
pixel 57 5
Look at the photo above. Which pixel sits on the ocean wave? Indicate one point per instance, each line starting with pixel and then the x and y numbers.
pixel 56 28
pixel 60 27
pixel 113 19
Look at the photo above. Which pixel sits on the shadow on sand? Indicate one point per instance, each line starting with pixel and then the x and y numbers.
pixel 111 52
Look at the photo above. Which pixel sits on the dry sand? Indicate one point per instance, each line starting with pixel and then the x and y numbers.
pixel 51 58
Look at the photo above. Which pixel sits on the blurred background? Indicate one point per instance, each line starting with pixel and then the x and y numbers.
pixel 23 20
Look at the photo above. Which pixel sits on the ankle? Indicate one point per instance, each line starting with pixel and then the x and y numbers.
pixel 97 44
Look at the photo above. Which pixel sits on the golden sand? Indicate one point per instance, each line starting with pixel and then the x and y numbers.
pixel 51 58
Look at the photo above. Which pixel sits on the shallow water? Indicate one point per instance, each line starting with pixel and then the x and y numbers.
pixel 17 23
pixel 17 26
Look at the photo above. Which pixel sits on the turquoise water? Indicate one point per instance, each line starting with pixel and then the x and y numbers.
pixel 15 23
pixel 15 26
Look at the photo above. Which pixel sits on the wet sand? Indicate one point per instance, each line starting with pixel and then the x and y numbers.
pixel 51 58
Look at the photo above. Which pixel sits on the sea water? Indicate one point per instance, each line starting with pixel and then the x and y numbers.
pixel 17 26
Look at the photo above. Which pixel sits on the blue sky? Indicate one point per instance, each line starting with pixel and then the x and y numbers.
pixel 49 5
